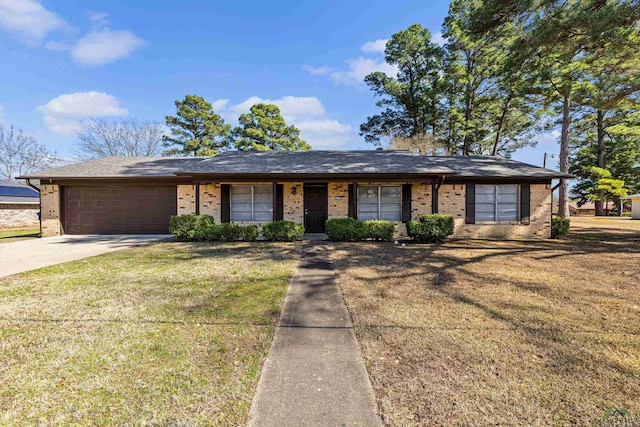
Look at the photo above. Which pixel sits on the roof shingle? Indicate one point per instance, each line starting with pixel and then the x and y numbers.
pixel 301 162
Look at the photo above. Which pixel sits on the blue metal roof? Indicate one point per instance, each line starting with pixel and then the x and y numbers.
pixel 18 191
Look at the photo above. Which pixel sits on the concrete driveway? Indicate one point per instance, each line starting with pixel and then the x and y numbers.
pixel 28 255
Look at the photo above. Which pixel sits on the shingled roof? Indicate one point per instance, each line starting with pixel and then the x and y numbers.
pixel 312 162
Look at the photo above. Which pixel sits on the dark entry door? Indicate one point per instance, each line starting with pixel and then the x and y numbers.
pixel 315 208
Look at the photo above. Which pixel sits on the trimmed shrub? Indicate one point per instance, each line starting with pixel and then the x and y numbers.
pixel 181 225
pixel 282 231
pixel 230 232
pixel 432 228
pixel 345 229
pixel 379 230
pixel 202 229
pixel 250 233
pixel 559 227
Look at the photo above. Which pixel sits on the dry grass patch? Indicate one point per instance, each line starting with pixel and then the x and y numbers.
pixel 166 334
pixel 605 228
pixel 497 332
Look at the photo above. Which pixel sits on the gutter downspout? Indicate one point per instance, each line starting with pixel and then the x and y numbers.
pixel 32 185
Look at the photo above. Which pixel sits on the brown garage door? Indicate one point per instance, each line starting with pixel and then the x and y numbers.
pixel 118 209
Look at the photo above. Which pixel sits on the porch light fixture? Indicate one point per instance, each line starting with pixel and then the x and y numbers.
pixel 294 190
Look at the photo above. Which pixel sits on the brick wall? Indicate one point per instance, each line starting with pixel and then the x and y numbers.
pixel 293 204
pixel 50 209
pixel 452 201
pixel 19 216
pixel 420 200
pixel 186 199
pixel 210 201
pixel 338 199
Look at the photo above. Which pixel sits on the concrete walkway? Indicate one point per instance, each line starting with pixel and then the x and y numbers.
pixel 26 255
pixel 314 374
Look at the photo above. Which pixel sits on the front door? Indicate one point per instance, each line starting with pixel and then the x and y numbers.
pixel 315 207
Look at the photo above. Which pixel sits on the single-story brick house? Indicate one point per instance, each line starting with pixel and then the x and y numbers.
pixel 488 196
pixel 19 206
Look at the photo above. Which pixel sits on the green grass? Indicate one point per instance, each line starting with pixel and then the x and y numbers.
pixel 167 334
pixel 13 234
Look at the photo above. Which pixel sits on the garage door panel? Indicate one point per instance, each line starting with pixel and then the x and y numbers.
pixel 119 209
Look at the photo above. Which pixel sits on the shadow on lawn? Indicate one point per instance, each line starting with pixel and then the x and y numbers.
pixel 443 269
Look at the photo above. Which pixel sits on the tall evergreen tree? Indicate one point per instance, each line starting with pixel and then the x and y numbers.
pixel 196 129
pixel 564 35
pixel 410 100
pixel 264 129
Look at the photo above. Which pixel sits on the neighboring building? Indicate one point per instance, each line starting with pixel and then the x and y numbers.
pixel 19 206
pixel 589 208
pixel 635 205
pixel 488 196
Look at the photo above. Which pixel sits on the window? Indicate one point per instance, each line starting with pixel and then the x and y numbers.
pixel 498 203
pixel 380 202
pixel 251 203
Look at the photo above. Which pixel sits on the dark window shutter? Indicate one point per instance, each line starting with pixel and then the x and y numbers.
pixel 470 211
pixel 197 199
pixel 225 203
pixel 278 209
pixel 525 203
pixel 434 198
pixel 353 207
pixel 406 202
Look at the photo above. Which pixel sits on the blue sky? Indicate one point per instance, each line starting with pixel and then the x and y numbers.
pixel 64 61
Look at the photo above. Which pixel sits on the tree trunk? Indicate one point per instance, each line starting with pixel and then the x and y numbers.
pixel 503 118
pixel 466 147
pixel 600 126
pixel 563 191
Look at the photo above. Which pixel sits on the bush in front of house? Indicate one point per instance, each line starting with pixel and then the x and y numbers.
pixel 379 230
pixel 352 230
pixel 432 228
pixel 181 225
pixel 201 228
pixel 345 229
pixel 282 231
pixel 559 227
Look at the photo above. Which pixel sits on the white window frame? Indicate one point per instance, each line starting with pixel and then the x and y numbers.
pixel 252 202
pixel 379 199
pixel 496 204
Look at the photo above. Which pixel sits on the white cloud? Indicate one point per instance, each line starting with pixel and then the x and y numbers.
pixel 63 114
pixel 99 19
pixel 29 20
pixel 376 46
pixel 105 46
pixel 220 104
pixel 438 39
pixel 305 112
pixel 1 116
pixel 317 71
pixel 358 68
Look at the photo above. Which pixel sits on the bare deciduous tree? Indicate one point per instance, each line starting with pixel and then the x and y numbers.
pixel 424 144
pixel 21 154
pixel 127 137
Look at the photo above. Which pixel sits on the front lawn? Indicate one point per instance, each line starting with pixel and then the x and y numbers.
pixel 491 332
pixel 21 233
pixel 166 334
